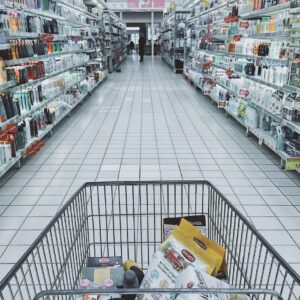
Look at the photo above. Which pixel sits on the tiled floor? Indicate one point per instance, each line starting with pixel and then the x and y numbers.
pixel 148 123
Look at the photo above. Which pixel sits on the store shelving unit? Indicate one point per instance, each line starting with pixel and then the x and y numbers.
pixel 115 39
pixel 172 51
pixel 85 32
pixel 212 61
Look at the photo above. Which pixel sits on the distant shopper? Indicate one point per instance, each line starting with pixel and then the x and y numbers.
pixel 131 46
pixel 142 43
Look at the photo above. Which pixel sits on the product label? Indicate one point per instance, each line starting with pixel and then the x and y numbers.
pixel 244 24
pixel 229 73
pixel 292 163
pixel 222 104
pixel 244 92
pixel 188 255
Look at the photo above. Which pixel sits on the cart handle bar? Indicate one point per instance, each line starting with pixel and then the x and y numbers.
pixel 23 258
pixel 157 291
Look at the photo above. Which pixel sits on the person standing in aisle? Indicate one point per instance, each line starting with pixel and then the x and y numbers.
pixel 142 43
pixel 131 47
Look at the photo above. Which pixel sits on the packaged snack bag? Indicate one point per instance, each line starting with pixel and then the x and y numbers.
pixel 170 260
pixel 160 274
pixel 179 245
pixel 204 245
pixel 192 278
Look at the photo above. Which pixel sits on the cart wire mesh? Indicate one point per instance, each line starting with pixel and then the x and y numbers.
pixel 125 219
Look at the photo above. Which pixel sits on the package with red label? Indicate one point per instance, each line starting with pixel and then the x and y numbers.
pixel 192 278
pixel 204 247
pixel 174 256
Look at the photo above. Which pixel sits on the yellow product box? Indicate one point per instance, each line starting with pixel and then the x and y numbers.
pixel 204 246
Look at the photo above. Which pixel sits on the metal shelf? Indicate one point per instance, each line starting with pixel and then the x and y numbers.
pixel 33 82
pixel 4 46
pixel 266 11
pixel 13 62
pixel 21 35
pixel 20 118
pixel 7 85
pixel 259 133
pixel 71 5
pixel 255 79
pixel 210 10
pixel 277 60
pixel 22 153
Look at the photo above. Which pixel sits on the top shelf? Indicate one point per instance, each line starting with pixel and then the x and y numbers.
pixel 210 10
pixel 265 11
pixel 70 5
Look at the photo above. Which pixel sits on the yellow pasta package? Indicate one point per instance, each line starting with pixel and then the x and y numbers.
pixel 180 250
pixel 202 244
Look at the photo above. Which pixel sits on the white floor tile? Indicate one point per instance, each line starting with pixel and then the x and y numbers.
pixel 139 126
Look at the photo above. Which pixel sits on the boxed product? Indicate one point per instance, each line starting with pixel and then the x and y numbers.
pixel 185 247
pixel 98 275
pixel 103 262
pixel 169 224
pixel 205 247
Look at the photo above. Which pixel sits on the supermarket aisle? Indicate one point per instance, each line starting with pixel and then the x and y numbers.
pixel 148 123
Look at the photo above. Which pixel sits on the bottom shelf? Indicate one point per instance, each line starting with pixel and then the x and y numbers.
pixel 287 162
pixel 22 153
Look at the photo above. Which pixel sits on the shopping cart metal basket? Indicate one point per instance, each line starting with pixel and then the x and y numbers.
pixel 125 218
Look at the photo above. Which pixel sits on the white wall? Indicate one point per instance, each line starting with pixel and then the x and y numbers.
pixel 141 17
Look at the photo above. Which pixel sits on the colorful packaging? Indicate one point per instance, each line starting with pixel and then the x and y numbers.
pixel 99 275
pixel 181 251
pixel 202 245
pixel 174 255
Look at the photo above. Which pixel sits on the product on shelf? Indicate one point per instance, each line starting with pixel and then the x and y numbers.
pixel 246 58
pixel 52 56
pixel 173 39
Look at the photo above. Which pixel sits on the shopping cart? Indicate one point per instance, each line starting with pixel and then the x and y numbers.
pixel 125 219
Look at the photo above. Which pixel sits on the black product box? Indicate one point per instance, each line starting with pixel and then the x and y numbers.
pixel 198 221
pixel 103 262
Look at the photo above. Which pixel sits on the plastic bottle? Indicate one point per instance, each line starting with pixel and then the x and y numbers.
pixel 131 265
pixel 130 281
pixel 109 284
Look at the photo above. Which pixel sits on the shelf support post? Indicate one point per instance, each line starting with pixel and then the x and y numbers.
pixel 152 32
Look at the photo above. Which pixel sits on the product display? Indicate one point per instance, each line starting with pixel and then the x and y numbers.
pixel 186 259
pixel 245 57
pixel 115 40
pixel 53 56
pixel 173 39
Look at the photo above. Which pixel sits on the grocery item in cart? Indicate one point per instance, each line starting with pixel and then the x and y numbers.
pixel 202 244
pixel 175 255
pixel 191 278
pixel 160 274
pixel 103 262
pixel 131 265
pixel 97 276
pixel 181 251
pixel 131 281
pixel 169 224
